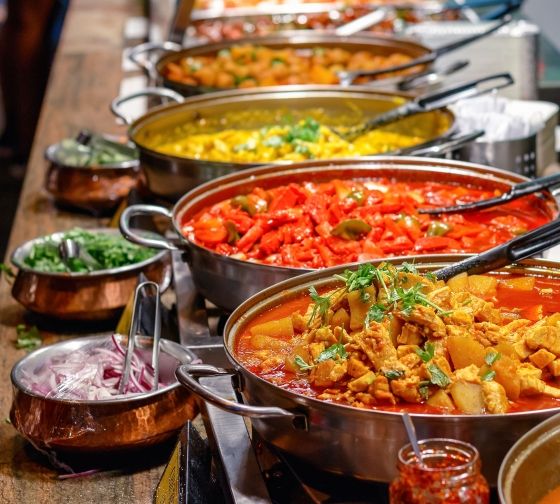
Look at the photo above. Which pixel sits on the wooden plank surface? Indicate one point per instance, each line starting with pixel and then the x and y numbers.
pixel 85 77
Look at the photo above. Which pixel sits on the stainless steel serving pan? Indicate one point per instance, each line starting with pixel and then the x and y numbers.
pixel 341 439
pixel 169 176
pixel 226 281
pixel 83 296
pixel 299 40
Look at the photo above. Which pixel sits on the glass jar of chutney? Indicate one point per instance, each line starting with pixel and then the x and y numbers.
pixel 449 473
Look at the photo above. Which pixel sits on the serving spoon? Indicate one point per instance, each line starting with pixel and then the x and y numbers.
pixel 347 77
pixel 70 249
pixel 516 192
pixel 429 103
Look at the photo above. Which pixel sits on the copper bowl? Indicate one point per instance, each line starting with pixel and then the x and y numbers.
pixel 96 295
pixel 531 468
pixel 96 189
pixel 130 422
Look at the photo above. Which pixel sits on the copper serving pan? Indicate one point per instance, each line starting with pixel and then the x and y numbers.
pixel 169 176
pixel 226 281
pixel 531 468
pixel 83 296
pixel 299 40
pixel 95 189
pixel 342 439
pixel 105 425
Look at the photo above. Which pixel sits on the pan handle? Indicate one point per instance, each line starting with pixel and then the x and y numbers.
pixel 442 147
pixel 145 50
pixel 188 375
pixel 134 237
pixel 150 91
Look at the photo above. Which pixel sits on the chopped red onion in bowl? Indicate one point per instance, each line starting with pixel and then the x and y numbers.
pixel 92 372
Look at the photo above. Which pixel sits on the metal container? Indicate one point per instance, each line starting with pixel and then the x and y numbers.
pixel 169 177
pixel 341 439
pixel 226 281
pixel 298 40
pixel 96 189
pixel 531 467
pixel 83 296
pixel 106 425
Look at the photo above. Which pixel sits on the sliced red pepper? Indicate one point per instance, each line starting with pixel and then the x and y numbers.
pixel 249 238
pixel 270 242
pixel 432 243
pixel 399 245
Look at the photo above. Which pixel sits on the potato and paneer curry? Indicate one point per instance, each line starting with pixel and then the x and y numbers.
pixel 391 338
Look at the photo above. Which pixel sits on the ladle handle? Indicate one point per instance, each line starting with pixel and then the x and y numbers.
pixel 188 375
pixel 134 236
pixel 527 245
pixel 119 101
pixel 146 49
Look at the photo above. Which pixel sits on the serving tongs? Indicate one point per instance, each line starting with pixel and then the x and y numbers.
pixel 429 103
pixel 134 329
pixel 347 77
pixel 534 242
pixel 516 192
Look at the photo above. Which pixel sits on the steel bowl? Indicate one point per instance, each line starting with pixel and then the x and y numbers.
pixel 228 282
pixel 342 439
pixel 298 40
pixel 95 189
pixel 83 296
pixel 169 177
pixel 531 467
pixel 105 425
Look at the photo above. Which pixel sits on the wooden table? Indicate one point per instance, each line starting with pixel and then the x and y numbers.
pixel 85 77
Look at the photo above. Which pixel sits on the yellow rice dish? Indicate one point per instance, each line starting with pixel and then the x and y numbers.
pixel 306 139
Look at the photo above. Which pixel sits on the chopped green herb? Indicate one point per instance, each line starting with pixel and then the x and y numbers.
pixel 437 376
pixel 273 141
pixel 424 389
pixel 492 357
pixel 488 376
pixel 321 307
pixel 430 276
pixel 303 366
pixel 301 148
pixel 277 61
pixel 394 374
pixel 376 313
pixel 28 338
pixel 237 79
pixel 428 353
pixel 408 268
pixel 336 350
pixel 306 132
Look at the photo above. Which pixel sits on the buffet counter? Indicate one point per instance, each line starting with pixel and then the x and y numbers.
pixel 85 77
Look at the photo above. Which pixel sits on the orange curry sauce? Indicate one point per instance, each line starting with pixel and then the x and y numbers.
pixel 546 294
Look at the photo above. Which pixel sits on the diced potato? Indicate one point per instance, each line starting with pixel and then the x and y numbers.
pixel 506 348
pixel 362 383
pixel 299 351
pixel 459 283
pixel 483 286
pixel 465 351
pixel 522 350
pixel 281 328
pixel 395 327
pixel 359 309
pixel 525 283
pixel 554 368
pixel 506 375
pixel 542 358
pixel 468 397
pixel 441 400
pixel 552 320
pixel 264 342
pixel 341 319
pixel 356 367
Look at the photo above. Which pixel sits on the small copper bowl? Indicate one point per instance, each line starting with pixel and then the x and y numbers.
pixel 131 422
pixel 95 189
pixel 83 296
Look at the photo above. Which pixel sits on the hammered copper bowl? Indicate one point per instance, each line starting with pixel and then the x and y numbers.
pixel 105 425
pixel 96 295
pixel 95 189
pixel 531 468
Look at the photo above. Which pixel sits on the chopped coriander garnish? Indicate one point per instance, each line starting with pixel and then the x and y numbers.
pixel 428 353
pixel 303 366
pixel 437 376
pixel 28 338
pixel 273 141
pixel 321 307
pixel 393 374
pixel 492 357
pixel 336 350
pixel 376 313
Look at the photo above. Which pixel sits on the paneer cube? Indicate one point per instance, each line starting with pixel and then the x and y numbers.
pixel 542 358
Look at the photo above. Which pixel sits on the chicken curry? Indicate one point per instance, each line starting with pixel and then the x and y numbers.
pixel 390 338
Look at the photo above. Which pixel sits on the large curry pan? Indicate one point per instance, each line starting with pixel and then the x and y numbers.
pixel 169 177
pixel 226 281
pixel 342 439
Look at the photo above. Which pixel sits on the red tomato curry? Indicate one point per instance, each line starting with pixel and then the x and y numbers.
pixel 316 225
pixel 391 339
